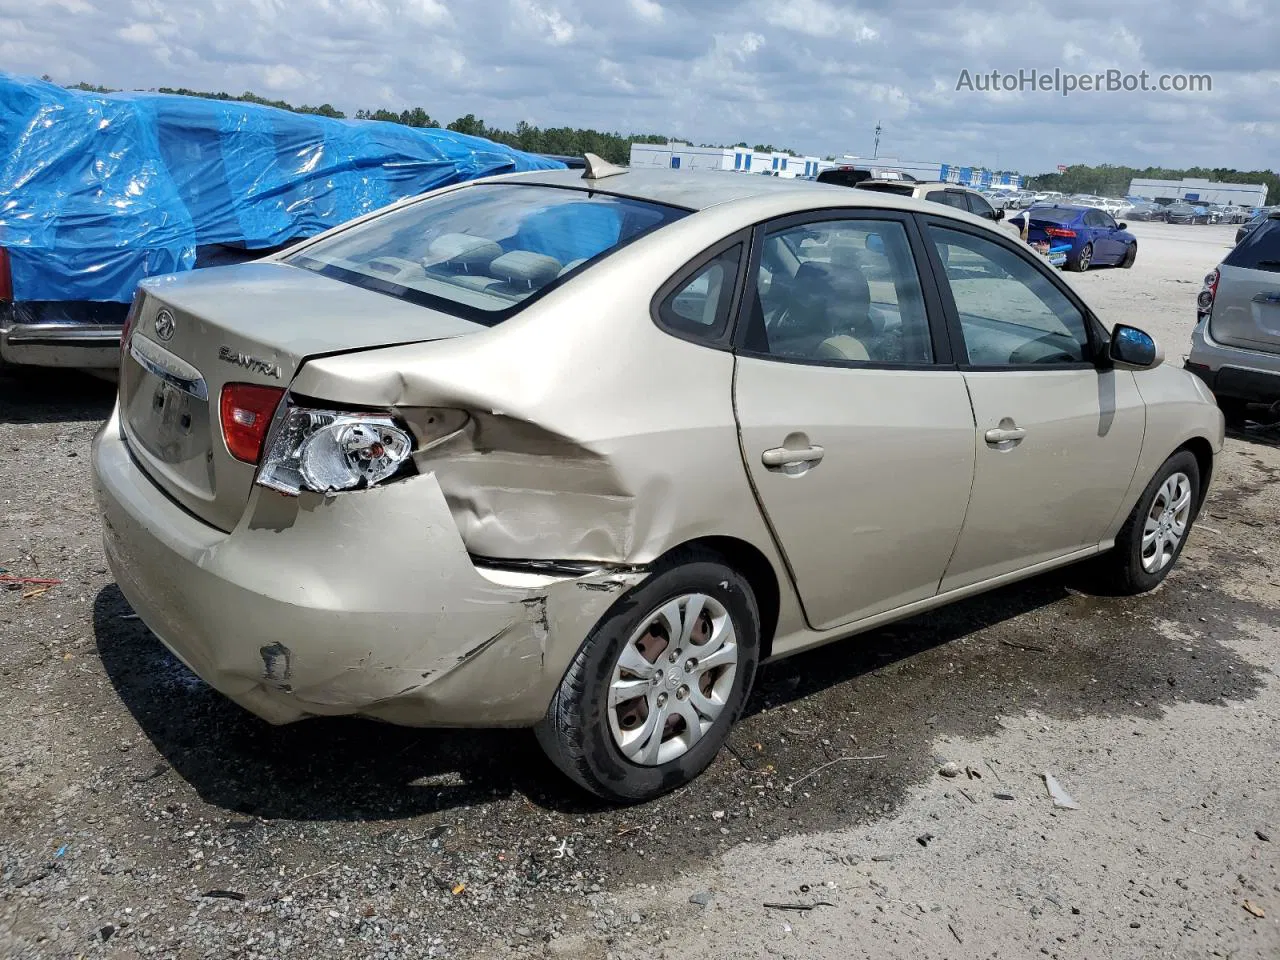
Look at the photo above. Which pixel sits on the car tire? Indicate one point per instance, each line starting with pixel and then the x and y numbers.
pixel 1123 571
pixel 581 730
pixel 1130 255
pixel 1080 263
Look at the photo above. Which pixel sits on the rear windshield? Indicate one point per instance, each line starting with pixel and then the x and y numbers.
pixel 1259 250
pixel 1054 214
pixel 484 251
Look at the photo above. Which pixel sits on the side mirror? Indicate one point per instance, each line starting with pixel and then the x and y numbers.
pixel 1122 226
pixel 1133 349
pixel 998 216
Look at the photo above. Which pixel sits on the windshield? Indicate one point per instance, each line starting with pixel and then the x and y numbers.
pixel 483 251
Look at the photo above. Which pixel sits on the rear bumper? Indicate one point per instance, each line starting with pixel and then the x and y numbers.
pixel 50 338
pixel 363 603
pixel 1249 375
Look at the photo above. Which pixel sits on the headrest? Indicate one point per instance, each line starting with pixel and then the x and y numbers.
pixel 462 250
pixel 525 268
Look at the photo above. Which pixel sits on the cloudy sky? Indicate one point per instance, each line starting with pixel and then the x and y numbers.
pixel 814 75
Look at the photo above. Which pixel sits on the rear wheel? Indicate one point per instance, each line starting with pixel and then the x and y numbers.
pixel 1155 532
pixel 649 700
pixel 1082 260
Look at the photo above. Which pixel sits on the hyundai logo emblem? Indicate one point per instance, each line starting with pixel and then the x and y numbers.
pixel 164 325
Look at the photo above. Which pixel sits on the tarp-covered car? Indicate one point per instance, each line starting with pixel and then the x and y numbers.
pixel 98 191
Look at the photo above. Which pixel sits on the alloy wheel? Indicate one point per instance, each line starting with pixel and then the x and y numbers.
pixel 1085 256
pixel 672 679
pixel 1166 522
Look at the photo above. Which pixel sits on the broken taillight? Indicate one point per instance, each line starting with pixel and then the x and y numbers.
pixel 246 410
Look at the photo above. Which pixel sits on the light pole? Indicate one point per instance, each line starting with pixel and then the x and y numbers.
pixel 876 150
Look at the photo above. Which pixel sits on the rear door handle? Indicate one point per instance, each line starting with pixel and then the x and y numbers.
pixel 999 435
pixel 779 458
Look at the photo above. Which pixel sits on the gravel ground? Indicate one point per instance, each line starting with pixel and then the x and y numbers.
pixel 143 814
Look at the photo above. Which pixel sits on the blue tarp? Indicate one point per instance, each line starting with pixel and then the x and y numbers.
pixel 98 191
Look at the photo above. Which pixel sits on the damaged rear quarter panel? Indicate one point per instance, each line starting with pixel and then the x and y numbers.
pixel 595 435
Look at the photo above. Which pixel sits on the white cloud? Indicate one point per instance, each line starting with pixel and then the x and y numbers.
pixel 818 18
pixel 426 11
pixel 649 10
pixel 547 20
pixel 142 34
pixel 281 77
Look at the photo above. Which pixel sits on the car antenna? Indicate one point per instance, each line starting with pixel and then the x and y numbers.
pixel 598 167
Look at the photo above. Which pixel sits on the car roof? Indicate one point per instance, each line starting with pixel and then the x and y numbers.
pixel 691 189
pixel 697 190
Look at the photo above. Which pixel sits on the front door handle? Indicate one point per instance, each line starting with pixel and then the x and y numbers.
pixel 790 460
pixel 1008 433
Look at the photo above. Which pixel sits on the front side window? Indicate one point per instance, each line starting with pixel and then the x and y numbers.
pixel 1011 313
pixel 839 290
pixel 484 250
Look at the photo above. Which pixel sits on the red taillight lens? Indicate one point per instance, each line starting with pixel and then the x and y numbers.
pixel 6 276
pixel 1059 232
pixel 246 410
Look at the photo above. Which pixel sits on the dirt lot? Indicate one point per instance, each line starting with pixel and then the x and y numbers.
pixel 142 814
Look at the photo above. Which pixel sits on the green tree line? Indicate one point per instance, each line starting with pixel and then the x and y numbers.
pixel 1113 181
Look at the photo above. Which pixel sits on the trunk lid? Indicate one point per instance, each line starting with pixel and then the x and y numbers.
pixel 253 323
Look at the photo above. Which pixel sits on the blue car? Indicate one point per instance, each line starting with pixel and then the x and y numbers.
pixel 1079 237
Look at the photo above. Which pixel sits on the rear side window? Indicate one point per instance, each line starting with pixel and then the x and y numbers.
pixel 842 291
pixel 1259 250
pixel 950 197
pixel 699 309
pixel 482 252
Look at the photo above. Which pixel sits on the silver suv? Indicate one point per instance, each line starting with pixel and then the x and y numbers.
pixel 1235 347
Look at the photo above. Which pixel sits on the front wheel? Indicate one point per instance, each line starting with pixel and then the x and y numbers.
pixel 1085 257
pixel 1155 532
pixel 649 699
pixel 1130 255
